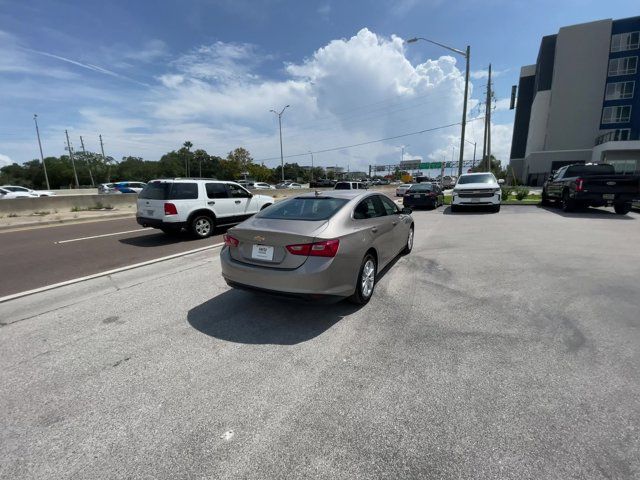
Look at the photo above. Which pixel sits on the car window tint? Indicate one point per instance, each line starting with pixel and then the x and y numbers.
pixel 343 186
pixel 237 191
pixel 389 207
pixel 370 207
pixel 216 190
pixel 184 191
pixel 304 208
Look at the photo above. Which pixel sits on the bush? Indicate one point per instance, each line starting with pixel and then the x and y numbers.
pixel 522 193
pixel 506 193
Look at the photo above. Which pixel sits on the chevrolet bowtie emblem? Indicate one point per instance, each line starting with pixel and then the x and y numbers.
pixel 258 238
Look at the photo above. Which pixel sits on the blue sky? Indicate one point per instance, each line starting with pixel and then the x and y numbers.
pixel 148 75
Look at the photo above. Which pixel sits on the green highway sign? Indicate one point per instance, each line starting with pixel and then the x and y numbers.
pixel 434 165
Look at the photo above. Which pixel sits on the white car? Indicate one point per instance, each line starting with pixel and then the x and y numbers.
pixel 9 195
pixel 263 186
pixel 402 189
pixel 196 205
pixel 477 189
pixel 33 193
pixel 350 186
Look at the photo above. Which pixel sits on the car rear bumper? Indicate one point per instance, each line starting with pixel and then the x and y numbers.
pixel 475 201
pixel 409 201
pixel 596 199
pixel 159 223
pixel 316 279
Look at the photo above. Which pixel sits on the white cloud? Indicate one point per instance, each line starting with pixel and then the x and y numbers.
pixel 350 91
pixel 324 9
pixel 480 74
pixel 5 160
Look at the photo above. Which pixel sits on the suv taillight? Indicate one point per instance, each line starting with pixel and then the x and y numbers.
pixel 579 184
pixel 170 209
pixel 230 241
pixel 326 248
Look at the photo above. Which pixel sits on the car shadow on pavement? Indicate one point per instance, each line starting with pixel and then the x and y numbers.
pixel 469 211
pixel 245 317
pixel 587 213
pixel 161 239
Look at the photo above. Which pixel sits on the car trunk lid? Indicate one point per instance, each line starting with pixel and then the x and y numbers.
pixel 263 242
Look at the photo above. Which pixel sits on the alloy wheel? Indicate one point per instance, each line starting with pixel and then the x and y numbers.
pixel 368 278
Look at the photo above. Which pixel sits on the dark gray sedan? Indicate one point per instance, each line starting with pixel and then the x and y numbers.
pixel 322 246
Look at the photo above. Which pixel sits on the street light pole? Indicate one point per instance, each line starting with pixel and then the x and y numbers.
pixel 467 55
pixel 311 153
pixel 44 167
pixel 73 163
pixel 280 127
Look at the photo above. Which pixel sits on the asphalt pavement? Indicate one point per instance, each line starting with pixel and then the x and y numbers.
pixel 505 346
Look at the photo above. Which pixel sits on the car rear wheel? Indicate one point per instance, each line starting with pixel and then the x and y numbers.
pixel 409 245
pixel 201 226
pixel 366 281
pixel 568 204
pixel 265 206
pixel 622 208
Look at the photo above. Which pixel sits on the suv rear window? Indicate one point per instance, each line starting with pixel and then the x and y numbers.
pixel 169 191
pixel 601 169
pixel 304 208
pixel 343 186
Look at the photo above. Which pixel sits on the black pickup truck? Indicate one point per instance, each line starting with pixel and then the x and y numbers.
pixel 591 185
pixel 322 183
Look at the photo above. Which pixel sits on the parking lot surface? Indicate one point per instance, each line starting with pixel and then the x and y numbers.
pixel 504 346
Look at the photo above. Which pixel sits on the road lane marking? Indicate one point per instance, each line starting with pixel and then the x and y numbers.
pixel 104 274
pixel 100 236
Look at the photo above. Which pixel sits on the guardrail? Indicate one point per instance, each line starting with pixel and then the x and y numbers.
pixel 19 206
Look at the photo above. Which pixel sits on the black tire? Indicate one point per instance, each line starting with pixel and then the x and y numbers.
pixel 567 203
pixel 454 208
pixel 409 245
pixel 545 199
pixel 201 226
pixel 622 208
pixel 496 208
pixel 265 206
pixel 360 296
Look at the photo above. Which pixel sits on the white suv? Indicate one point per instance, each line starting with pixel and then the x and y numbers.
pixel 476 189
pixel 196 205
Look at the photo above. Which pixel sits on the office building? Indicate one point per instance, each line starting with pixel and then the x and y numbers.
pixel 580 102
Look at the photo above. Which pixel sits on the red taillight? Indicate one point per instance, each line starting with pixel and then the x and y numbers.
pixel 579 184
pixel 326 248
pixel 170 209
pixel 230 241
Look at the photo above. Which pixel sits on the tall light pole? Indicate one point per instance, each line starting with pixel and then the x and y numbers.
pixel 73 163
pixel 311 176
pixel 474 151
pixel 44 167
pixel 280 125
pixel 467 55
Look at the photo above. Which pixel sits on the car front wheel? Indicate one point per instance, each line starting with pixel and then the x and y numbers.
pixel 622 208
pixel 366 281
pixel 409 245
pixel 201 226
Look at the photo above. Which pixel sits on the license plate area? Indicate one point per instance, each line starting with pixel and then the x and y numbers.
pixel 476 200
pixel 262 252
pixel 608 196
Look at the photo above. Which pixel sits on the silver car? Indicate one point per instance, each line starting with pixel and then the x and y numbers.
pixel 318 246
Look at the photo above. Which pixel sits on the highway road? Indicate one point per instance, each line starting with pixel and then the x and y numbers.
pixel 33 258
pixel 505 346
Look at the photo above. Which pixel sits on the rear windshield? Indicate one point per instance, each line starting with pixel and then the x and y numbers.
pixel 304 208
pixel 488 178
pixel 601 169
pixel 422 187
pixel 169 191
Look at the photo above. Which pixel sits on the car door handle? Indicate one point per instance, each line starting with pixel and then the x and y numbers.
pixel 238 201
pixel 211 203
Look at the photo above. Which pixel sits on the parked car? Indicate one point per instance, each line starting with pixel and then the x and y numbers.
pixel 322 183
pixel 477 189
pixel 129 187
pixel 9 195
pixel 263 186
pixel 423 195
pixel 324 246
pixel 196 205
pixel 33 193
pixel 447 182
pixel 350 186
pixel 402 188
pixel 105 188
pixel 591 185
pixel 287 184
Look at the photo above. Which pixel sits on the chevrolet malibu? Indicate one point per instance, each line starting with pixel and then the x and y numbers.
pixel 476 189
pixel 319 246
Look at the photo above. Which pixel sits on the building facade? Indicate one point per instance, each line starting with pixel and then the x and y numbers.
pixel 580 102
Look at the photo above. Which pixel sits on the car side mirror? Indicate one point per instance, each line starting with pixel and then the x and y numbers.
pixel 501 181
pixel 406 211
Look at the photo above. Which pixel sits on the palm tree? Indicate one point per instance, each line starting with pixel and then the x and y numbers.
pixel 187 145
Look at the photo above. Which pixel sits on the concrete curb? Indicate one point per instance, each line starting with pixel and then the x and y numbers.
pixel 63 221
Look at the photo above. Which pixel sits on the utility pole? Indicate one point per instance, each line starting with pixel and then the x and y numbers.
pixel 44 167
pixel 104 159
pixel 279 114
pixel 464 110
pixel 84 153
pixel 489 99
pixel 311 176
pixel 487 121
pixel 73 163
